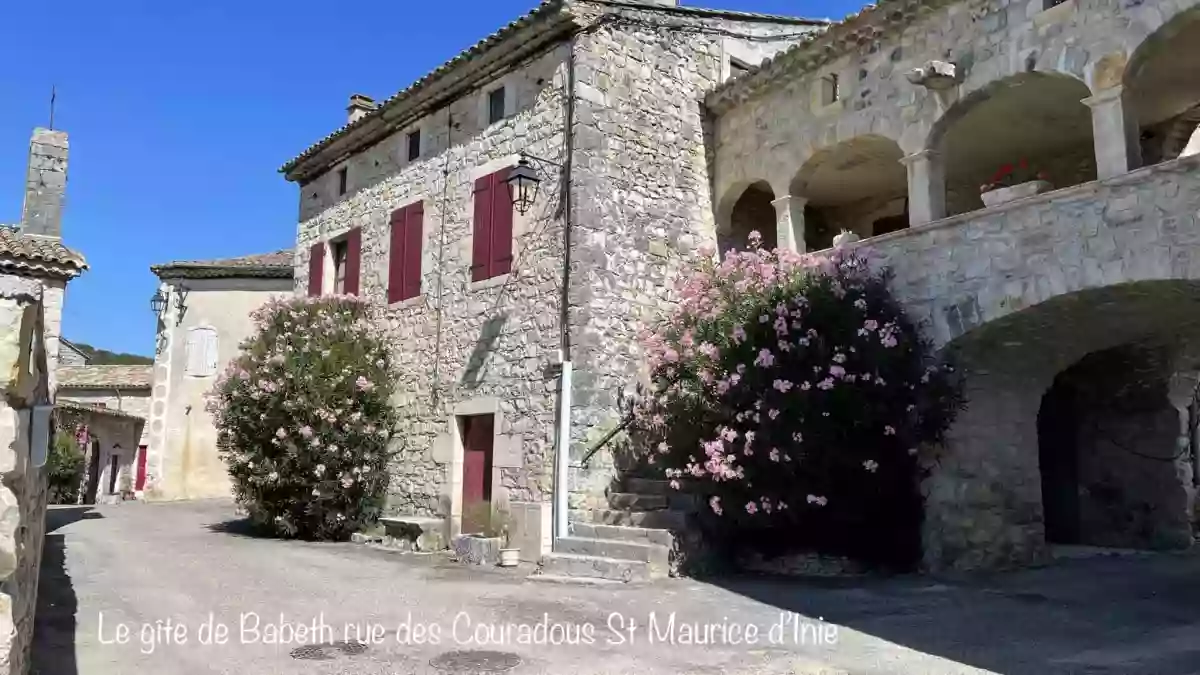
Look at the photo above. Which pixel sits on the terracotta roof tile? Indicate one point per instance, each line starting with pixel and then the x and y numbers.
pixel 96 409
pixel 39 254
pixel 105 377
pixel 277 264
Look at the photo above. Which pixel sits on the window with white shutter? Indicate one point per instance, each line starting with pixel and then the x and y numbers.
pixel 201 351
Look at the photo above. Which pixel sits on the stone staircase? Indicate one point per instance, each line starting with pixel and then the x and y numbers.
pixel 631 540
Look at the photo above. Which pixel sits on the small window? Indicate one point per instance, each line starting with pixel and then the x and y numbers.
pixel 830 89
pixel 342 181
pixel 339 249
pixel 414 145
pixel 201 352
pixel 496 106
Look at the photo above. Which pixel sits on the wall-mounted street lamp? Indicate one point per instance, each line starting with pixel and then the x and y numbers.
pixel 523 181
pixel 158 302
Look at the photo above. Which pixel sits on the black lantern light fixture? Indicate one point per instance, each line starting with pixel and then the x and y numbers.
pixel 523 184
pixel 523 181
pixel 158 302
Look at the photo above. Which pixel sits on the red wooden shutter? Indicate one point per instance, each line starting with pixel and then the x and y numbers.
pixel 481 238
pixel 502 225
pixel 414 225
pixel 396 257
pixel 316 266
pixel 353 255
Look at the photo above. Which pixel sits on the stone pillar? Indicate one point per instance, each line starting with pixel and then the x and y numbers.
pixel 926 187
pixel 1114 133
pixel 789 223
pixel 45 183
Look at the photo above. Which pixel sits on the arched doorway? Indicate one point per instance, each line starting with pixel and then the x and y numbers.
pixel 1109 453
pixel 1022 128
pixel 1062 397
pixel 1162 89
pixel 858 185
pixel 752 212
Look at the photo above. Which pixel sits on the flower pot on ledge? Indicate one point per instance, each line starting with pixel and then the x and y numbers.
pixel 1014 192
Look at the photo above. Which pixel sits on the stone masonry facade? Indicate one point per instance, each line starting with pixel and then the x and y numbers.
pixel 639 190
pixel 1020 292
pixel 889 124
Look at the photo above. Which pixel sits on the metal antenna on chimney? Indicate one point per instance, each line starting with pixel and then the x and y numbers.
pixel 53 95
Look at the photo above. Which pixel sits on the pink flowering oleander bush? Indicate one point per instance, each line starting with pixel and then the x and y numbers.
pixel 792 394
pixel 304 419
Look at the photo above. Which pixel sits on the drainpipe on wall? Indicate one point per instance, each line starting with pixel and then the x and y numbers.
pixel 562 450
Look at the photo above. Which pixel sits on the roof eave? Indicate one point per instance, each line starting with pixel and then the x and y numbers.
pixel 481 62
pixel 864 27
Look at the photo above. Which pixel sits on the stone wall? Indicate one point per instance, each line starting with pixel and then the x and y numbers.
pixel 461 342
pixel 23 491
pixel 1017 294
pixel 642 186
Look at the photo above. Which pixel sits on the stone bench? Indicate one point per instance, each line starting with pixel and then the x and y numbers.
pixel 408 533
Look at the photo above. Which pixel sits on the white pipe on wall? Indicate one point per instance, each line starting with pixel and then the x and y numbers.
pixel 562 454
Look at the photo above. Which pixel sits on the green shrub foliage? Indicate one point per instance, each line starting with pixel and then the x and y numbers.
pixel 794 394
pixel 304 418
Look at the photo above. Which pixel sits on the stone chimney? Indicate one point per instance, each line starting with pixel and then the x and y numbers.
pixel 45 183
pixel 360 105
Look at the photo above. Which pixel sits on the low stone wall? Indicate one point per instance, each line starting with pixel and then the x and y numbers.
pixel 801 565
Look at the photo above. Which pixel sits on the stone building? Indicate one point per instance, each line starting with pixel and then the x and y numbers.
pixel 113 401
pixel 35 267
pixel 71 355
pixel 205 315
pixel 408 204
pixel 1071 303
pixel 1024 167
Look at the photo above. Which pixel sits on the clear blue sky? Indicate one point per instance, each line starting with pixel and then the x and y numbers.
pixel 180 113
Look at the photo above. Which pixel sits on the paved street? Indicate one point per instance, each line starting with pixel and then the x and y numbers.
pixel 113 576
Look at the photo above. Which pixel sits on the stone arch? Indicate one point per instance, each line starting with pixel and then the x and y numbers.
pixel 1037 117
pixel 1162 88
pixel 985 503
pixel 745 208
pixel 858 185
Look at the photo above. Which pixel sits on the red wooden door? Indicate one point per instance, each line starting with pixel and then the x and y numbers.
pixel 141 469
pixel 477 469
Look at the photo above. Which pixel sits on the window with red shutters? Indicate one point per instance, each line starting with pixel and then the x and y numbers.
pixel 404 257
pixel 316 268
pixel 492 236
pixel 353 258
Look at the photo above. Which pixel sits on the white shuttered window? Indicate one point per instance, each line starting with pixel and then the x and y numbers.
pixel 201 354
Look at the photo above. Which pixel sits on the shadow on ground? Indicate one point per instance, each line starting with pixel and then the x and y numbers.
pixel 57 605
pixel 1120 616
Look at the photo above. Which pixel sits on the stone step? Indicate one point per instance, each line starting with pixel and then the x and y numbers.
pixel 647 535
pixel 595 567
pixel 632 501
pixel 661 486
pixel 669 520
pixel 648 486
pixel 656 555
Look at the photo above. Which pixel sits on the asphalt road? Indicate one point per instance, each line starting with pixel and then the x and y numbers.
pixel 175 589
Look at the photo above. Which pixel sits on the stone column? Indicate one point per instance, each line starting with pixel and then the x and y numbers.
pixel 1114 133
pixel 926 187
pixel 789 223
